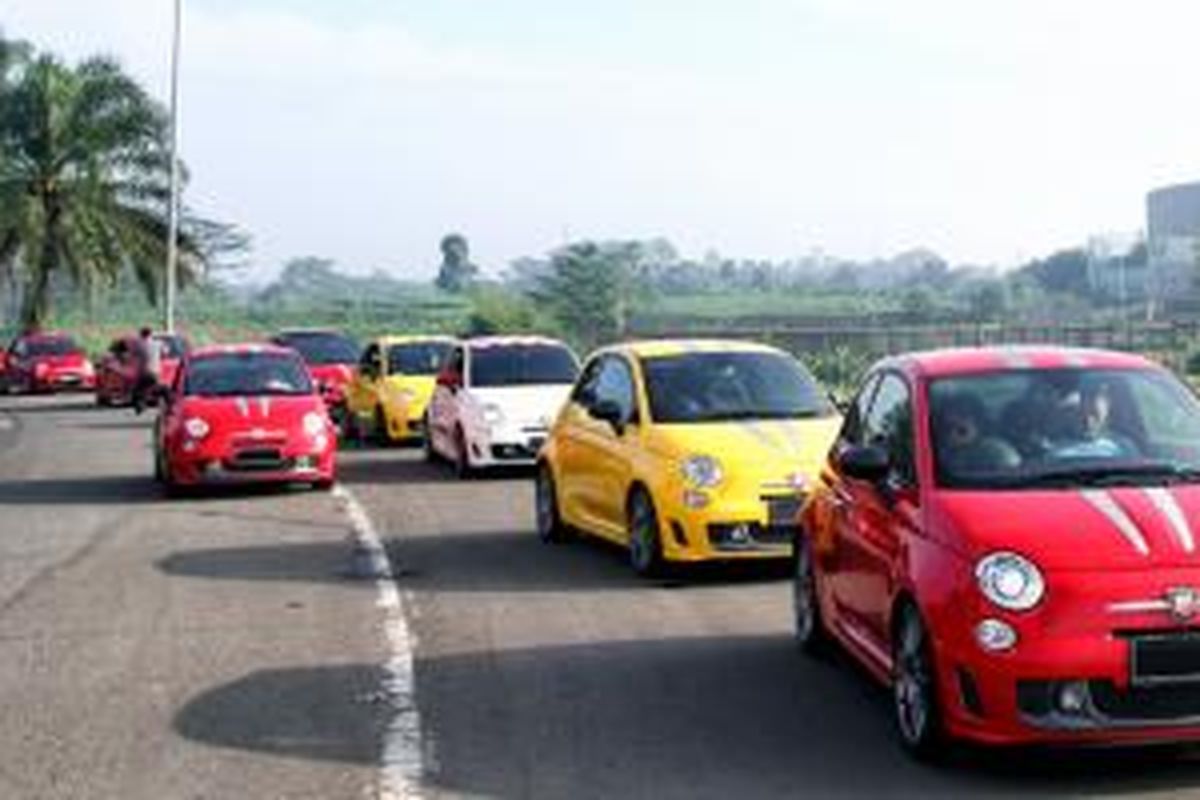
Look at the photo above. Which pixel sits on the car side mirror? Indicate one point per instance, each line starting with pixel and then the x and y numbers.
pixel 865 463
pixel 610 412
pixel 839 402
pixel 449 380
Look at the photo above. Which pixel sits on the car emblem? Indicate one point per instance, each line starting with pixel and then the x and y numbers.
pixel 1183 603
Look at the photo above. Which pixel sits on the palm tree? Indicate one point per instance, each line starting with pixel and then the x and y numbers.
pixel 84 179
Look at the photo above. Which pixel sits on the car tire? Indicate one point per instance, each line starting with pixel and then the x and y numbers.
pixel 462 457
pixel 809 625
pixel 645 543
pixel 431 454
pixel 915 705
pixel 550 527
pixel 323 485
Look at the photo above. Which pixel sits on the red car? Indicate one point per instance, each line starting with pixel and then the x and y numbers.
pixel 47 362
pixel 1008 538
pixel 117 373
pixel 331 358
pixel 244 413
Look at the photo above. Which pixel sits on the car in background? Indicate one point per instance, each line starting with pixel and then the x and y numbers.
pixel 331 357
pixel 117 373
pixel 1007 537
pixel 686 451
pixel 244 413
pixel 495 399
pixel 47 362
pixel 392 386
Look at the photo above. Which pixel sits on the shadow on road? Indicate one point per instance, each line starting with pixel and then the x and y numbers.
pixel 49 404
pixel 718 717
pixel 396 465
pixel 475 562
pixel 98 490
pixel 319 713
pixel 320 562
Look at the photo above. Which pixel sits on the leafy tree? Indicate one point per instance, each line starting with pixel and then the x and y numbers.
pixel 84 180
pixel 1064 271
pixel 587 289
pixel 456 272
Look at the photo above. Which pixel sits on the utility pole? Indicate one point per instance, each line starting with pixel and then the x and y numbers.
pixel 173 212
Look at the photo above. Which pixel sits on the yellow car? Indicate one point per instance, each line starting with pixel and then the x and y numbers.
pixel 392 385
pixel 686 451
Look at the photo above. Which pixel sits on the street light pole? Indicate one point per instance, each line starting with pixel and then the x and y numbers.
pixel 173 211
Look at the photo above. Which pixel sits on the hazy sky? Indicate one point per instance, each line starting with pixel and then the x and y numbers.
pixel 363 130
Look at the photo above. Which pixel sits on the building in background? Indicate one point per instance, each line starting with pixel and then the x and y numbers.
pixel 1117 266
pixel 1173 243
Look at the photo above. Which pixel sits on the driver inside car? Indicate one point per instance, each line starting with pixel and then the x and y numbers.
pixel 962 446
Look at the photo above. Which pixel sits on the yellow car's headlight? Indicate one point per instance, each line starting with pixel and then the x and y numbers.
pixel 701 472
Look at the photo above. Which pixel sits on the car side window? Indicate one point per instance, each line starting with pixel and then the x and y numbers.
pixel 585 390
pixel 458 365
pixel 857 411
pixel 614 384
pixel 889 424
pixel 369 365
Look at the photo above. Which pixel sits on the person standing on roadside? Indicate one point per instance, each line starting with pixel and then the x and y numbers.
pixel 148 360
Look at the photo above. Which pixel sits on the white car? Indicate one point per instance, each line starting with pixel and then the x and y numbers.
pixel 495 401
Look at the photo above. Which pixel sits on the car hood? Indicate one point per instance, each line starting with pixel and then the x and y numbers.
pixel 1080 529
pixel 528 405
pixel 331 374
pixel 416 389
pixel 67 361
pixel 766 453
pixel 279 412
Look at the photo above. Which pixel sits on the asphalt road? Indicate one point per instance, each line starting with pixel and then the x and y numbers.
pixel 221 647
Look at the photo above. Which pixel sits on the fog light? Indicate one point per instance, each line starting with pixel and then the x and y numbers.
pixel 995 636
pixel 694 499
pixel 1072 697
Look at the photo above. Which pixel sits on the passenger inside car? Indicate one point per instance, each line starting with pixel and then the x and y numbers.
pixel 1094 435
pixel 962 446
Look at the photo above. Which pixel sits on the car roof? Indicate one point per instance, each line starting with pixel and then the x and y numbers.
pixel 966 360
pixel 477 342
pixel 46 336
pixel 391 339
pixel 241 348
pixel 312 332
pixel 662 348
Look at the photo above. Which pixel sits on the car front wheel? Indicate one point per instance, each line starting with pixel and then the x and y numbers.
pixel 809 627
pixel 645 546
pixel 914 690
pixel 550 527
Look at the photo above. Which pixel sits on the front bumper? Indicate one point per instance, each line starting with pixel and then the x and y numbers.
pixel 290 463
pixel 507 446
pixel 753 527
pixel 63 381
pixel 1071 675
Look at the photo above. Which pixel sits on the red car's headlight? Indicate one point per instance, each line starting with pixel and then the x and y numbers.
pixel 195 427
pixel 314 424
pixel 1010 581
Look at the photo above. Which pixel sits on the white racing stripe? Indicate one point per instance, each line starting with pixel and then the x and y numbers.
pixel 1164 501
pixel 402 765
pixel 1103 502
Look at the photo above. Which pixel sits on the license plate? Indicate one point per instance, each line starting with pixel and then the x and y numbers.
pixel 783 510
pixel 1165 659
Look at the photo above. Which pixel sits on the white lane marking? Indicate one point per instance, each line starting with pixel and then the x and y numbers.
pixel 1103 502
pixel 6 422
pixel 1164 501
pixel 403 750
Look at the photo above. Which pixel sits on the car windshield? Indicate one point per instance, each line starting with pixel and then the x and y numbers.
pixel 321 347
pixel 417 358
pixel 721 386
pixel 1064 428
pixel 231 374
pixel 522 365
pixel 57 346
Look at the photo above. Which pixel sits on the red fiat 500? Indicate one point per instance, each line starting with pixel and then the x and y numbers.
pixel 48 362
pixel 244 413
pixel 1008 537
pixel 118 371
pixel 331 357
